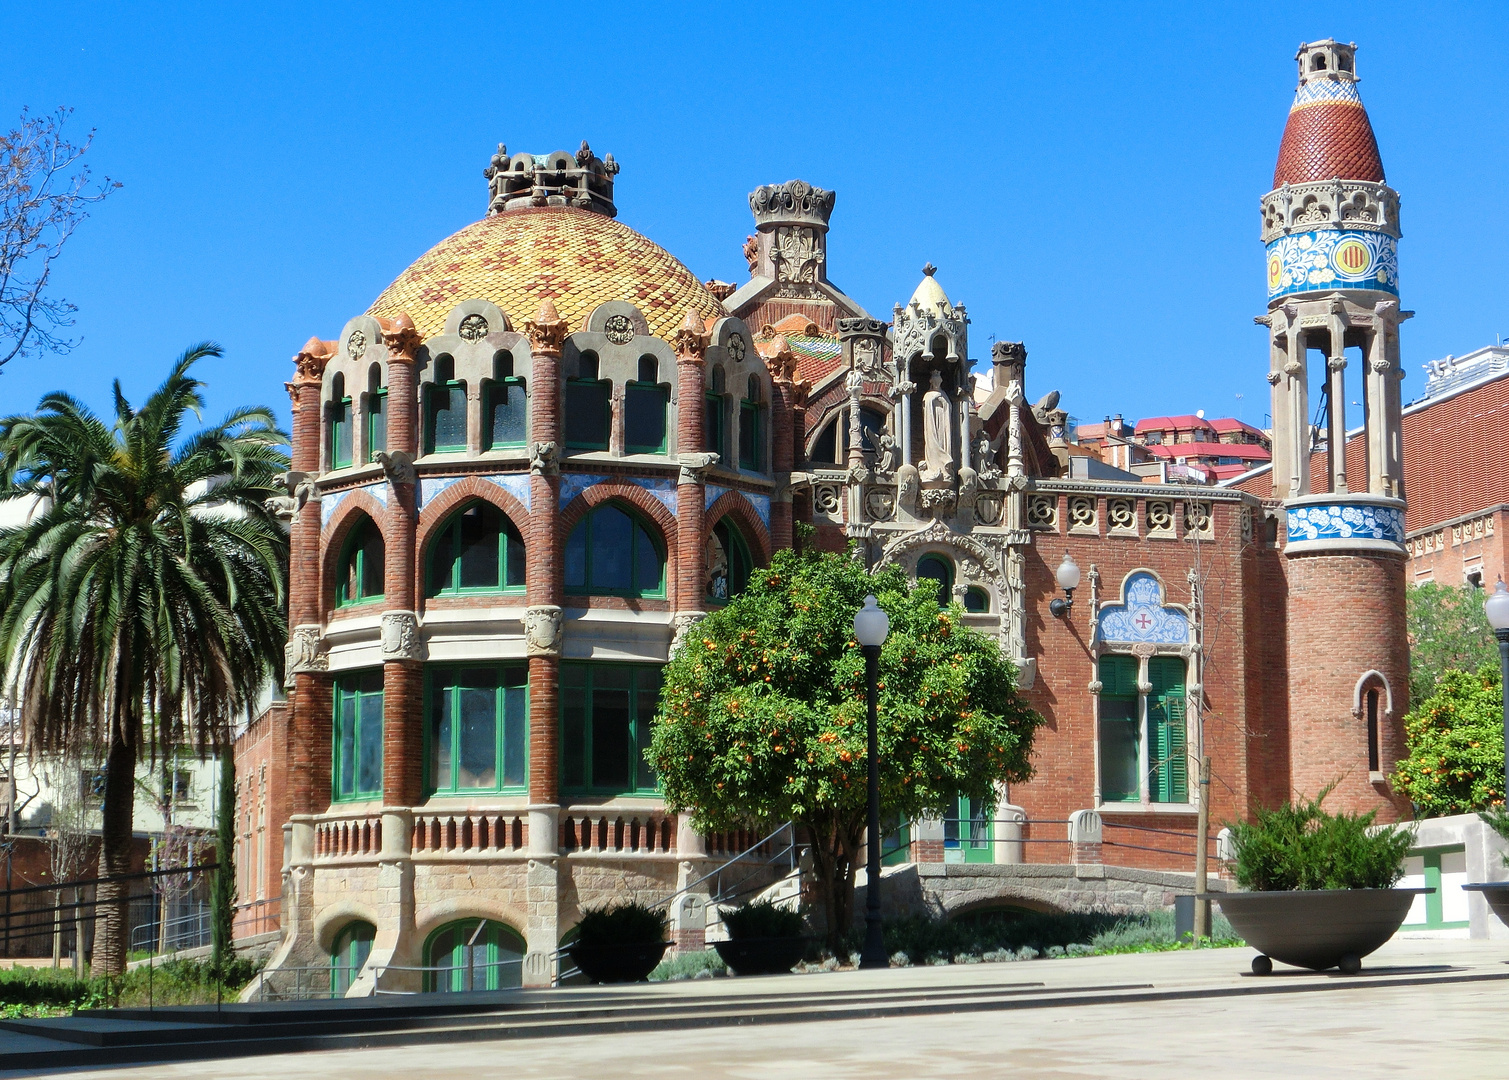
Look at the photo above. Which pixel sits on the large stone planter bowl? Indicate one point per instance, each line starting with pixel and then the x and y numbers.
pixel 618 963
pixel 1316 929
pixel 761 955
pixel 1497 895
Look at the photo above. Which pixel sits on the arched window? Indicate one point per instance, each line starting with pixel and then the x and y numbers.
pixel 473 954
pixel 832 446
pixel 445 410
pixel 939 569
pixel 728 562
pixel 360 577
pixel 478 550
pixel 645 402
pixel 715 419
pixel 1374 756
pixel 478 732
pixel 340 423
pixel 752 427
pixel 611 550
pixel 507 405
pixel 349 955
pixel 976 599
pixel 377 412
pixel 588 406
pixel 825 449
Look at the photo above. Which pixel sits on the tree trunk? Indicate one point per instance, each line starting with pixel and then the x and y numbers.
pixel 111 918
pixel 833 874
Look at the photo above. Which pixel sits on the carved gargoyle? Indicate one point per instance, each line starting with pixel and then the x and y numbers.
pixel 542 460
pixel 397 466
pixel 695 466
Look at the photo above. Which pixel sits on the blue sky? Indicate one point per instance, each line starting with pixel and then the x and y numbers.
pixel 1085 177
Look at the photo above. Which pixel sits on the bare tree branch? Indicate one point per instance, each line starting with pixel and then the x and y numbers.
pixel 44 196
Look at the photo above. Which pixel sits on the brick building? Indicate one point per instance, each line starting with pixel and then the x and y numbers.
pixel 547 450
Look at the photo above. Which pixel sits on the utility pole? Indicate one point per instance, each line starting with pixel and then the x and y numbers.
pixel 1202 829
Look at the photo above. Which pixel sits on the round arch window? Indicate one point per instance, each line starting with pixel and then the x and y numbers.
pixel 976 600
pixel 473 954
pixel 477 550
pixel 349 955
pixel 937 568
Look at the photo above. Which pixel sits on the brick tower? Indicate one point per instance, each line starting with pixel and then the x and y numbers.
pixel 1331 226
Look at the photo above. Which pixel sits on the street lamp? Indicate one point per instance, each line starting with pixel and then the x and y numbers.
pixel 1497 609
pixel 1068 580
pixel 871 625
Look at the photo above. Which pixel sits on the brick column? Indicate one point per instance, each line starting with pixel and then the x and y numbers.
pixel 402 644
pixel 544 573
pixel 691 555
pixel 309 725
pixel 782 365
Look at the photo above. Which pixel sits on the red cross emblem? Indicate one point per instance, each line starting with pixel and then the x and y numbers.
pixel 1142 621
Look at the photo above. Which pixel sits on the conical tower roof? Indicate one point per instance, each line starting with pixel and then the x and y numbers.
pixel 1328 134
pixel 929 296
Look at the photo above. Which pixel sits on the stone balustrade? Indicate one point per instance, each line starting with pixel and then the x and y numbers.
pixel 644 832
pixel 348 836
pixel 474 832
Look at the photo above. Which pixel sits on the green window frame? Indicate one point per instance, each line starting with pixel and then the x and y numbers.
pixel 356 772
pixel 473 954
pixel 1120 730
pixel 477 728
pixel 1431 871
pixel 589 413
pixel 938 568
pixel 478 550
pixel 607 719
pixel 377 422
pixel 976 600
pixel 613 551
pixel 751 435
pixel 731 578
pixel 506 402
pixel 715 427
pixel 1167 731
pixel 968 834
pixel 646 407
pixel 447 397
pixel 896 839
pixel 340 429
pixel 349 955
pixel 360 577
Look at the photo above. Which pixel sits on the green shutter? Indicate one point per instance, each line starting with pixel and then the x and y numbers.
pixel 1167 731
pixel 1118 675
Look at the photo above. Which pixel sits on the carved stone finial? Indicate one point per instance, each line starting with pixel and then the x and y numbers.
pixel 547 330
pixel 929 270
pixel 309 362
pixel 400 336
pixel 779 359
pixel 794 202
pixel 690 340
pixel 752 253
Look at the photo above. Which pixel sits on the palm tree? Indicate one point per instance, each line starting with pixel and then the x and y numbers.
pixel 142 605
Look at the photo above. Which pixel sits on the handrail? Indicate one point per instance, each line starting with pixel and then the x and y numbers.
pixel 791 846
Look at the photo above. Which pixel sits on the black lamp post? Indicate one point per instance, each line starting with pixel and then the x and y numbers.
pixel 1497 610
pixel 871 625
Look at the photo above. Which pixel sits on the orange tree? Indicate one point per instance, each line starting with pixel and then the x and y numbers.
pixel 762 718
pixel 1456 746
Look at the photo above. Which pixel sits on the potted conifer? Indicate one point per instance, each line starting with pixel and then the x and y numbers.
pixel 1319 886
pixel 619 943
pixel 763 939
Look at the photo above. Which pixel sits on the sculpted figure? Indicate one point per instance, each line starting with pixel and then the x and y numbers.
pixel 937 432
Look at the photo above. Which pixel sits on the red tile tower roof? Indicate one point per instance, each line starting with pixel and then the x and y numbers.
pixel 1328 134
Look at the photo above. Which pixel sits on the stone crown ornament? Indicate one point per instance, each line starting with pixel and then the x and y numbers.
pixel 795 202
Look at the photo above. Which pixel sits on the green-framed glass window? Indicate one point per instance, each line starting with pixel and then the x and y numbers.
pixel 445 410
pixel 477 550
pixel 752 428
pixel 478 730
pixel 646 402
pixel 340 424
pixel 937 568
pixel 613 551
pixel 473 954
pixel 976 600
pixel 349 955
pixel 357 772
pixel 968 833
pixel 506 405
pixel 589 409
pixel 1120 729
pixel 607 716
pixel 715 417
pixel 376 413
pixel 728 562
pixel 360 580
pixel 1167 732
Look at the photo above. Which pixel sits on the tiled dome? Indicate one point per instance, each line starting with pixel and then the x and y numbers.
pixel 1328 135
pixel 577 258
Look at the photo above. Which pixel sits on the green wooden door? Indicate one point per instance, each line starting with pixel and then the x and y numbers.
pixel 967 833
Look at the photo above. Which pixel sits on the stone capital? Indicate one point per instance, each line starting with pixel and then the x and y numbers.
pixel 400 336
pixel 305 653
pixel 546 331
pixel 690 340
pixel 309 362
pixel 694 467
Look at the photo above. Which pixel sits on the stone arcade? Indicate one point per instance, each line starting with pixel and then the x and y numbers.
pixel 548 449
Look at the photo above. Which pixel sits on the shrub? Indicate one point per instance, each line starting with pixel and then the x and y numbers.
pixel 1301 846
pixel 689 965
pixel 1456 745
pixel 27 991
pixel 627 923
pixel 761 919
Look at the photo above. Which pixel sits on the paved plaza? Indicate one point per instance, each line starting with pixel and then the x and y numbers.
pixel 1423 1008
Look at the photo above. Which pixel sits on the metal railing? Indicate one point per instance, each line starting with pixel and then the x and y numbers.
pixel 257 917
pixel 1187 836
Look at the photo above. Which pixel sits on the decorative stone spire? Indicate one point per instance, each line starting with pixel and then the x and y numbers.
pixel 791 242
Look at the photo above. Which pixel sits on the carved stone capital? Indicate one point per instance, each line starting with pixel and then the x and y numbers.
pixel 400 336
pixel 1274 377
pixel 1294 369
pixel 542 459
pixel 543 629
pixel 694 467
pixel 546 331
pixel 309 362
pixel 304 654
pixel 690 341
pixel 1337 363
pixel 400 636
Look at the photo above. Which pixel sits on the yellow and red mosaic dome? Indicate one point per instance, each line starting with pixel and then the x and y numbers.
pixel 1328 136
pixel 522 257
